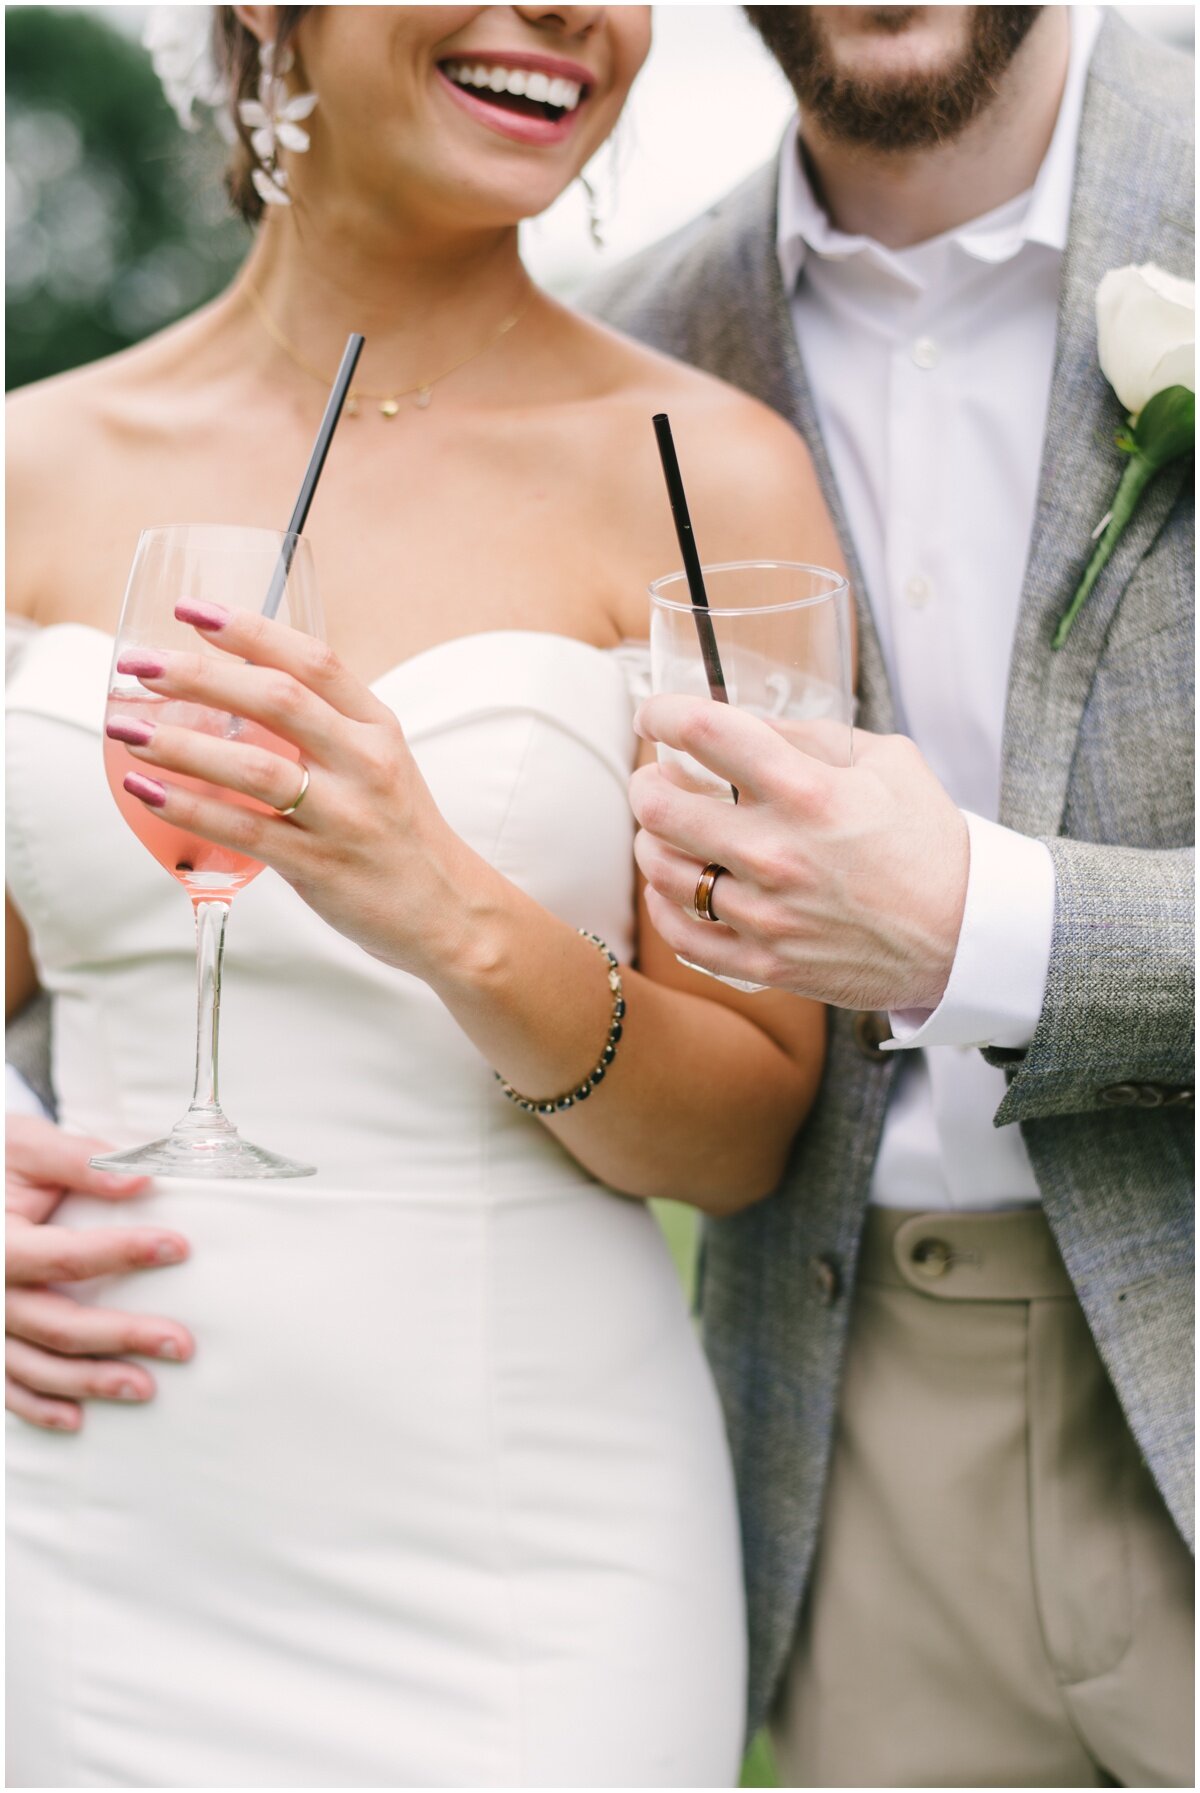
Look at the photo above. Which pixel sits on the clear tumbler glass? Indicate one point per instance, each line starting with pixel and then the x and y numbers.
pixel 783 633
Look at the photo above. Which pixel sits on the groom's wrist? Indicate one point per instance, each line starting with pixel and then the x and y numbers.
pixel 997 983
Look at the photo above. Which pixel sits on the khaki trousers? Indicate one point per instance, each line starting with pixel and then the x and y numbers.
pixel 999 1596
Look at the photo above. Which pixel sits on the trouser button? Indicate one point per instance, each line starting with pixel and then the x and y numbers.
pixel 932 1257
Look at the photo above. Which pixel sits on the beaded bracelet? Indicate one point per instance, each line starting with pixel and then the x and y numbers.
pixel 557 1103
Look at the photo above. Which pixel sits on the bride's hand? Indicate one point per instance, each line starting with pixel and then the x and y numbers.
pixel 365 846
pixel 59 1352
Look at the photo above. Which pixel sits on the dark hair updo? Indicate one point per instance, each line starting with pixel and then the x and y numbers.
pixel 236 51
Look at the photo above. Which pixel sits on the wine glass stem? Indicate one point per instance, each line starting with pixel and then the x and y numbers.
pixel 210 946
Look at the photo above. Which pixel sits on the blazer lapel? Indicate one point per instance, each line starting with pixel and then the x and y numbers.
pixel 1111 225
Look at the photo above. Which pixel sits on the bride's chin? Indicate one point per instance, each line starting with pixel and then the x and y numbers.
pixel 504 184
pixel 491 206
pixel 397 207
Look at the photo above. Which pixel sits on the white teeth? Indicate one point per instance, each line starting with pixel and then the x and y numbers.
pixel 497 78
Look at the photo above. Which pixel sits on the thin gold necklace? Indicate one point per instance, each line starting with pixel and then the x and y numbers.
pixel 388 402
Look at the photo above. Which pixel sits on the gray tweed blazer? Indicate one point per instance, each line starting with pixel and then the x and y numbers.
pixel 1097 762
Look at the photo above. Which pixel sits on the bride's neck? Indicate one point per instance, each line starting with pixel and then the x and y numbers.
pixel 419 297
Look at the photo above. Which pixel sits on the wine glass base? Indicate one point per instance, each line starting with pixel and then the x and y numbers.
pixel 201 1155
pixel 735 983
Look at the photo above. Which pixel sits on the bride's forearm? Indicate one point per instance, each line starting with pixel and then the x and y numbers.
pixel 699 1104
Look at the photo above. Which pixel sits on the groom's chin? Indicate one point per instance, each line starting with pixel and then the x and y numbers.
pixel 879 47
pixel 885 47
pixel 893 78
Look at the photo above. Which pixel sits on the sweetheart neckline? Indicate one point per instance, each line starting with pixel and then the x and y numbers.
pixel 437 647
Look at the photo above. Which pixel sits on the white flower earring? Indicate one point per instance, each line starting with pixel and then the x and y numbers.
pixel 273 120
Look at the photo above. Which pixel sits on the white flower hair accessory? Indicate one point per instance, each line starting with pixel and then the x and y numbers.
pixel 274 120
pixel 179 40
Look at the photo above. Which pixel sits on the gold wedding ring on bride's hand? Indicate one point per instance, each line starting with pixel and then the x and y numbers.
pixel 299 798
pixel 702 900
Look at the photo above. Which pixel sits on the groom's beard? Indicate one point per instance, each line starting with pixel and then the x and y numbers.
pixel 914 111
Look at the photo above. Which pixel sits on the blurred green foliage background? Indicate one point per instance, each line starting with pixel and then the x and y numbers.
pixel 116 222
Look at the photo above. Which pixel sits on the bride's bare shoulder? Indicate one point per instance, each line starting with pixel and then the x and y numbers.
pixel 118 393
pixel 752 487
pixel 71 445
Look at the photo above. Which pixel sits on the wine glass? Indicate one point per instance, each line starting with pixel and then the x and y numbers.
pixel 235 567
pixel 783 634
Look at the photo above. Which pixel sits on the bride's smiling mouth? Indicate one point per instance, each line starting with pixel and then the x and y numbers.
pixel 532 99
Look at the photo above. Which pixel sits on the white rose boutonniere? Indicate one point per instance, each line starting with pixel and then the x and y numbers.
pixel 1146 328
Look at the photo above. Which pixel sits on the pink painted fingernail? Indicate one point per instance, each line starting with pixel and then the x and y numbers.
pixel 128 728
pixel 141 665
pixel 148 789
pixel 204 616
pixel 168 1348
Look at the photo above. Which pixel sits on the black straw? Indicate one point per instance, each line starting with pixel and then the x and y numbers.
pixel 691 559
pixel 713 670
pixel 312 473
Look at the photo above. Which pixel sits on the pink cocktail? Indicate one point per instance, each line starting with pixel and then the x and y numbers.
pixel 205 870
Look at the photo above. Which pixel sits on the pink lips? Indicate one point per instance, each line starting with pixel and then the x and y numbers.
pixel 517 126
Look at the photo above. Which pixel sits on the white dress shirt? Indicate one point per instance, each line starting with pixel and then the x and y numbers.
pixel 20 1097
pixel 930 370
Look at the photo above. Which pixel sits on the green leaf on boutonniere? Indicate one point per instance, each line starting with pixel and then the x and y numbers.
pixel 1163 431
pixel 1166 427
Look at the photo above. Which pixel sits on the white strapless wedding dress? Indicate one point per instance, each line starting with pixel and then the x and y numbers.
pixel 444 1497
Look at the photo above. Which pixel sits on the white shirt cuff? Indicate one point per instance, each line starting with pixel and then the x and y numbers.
pixel 19 1098
pixel 997 983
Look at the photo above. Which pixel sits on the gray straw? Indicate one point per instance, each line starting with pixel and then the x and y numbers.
pixel 312 473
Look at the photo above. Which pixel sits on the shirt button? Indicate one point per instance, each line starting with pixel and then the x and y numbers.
pixel 918 590
pixel 925 352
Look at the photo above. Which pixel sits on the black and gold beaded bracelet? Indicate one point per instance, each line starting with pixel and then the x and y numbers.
pixel 556 1104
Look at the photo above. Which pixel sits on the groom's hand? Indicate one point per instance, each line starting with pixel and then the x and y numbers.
pixel 844 884
pixel 60 1352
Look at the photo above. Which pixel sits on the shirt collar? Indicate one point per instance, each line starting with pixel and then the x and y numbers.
pixel 1042 215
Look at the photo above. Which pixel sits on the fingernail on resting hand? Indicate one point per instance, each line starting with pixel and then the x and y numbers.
pixel 114 1181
